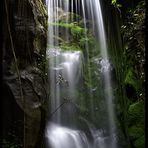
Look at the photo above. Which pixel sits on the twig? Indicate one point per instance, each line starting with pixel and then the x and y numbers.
pixel 57 109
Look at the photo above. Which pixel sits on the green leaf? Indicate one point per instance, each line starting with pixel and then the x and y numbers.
pixel 114 2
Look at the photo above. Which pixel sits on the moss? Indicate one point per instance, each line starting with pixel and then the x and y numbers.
pixel 8 144
pixel 131 79
pixel 137 136
pixel 140 142
pixel 137 107
pixel 136 113
pixel 75 30
pixel 135 132
pixel 70 46
pixel 136 124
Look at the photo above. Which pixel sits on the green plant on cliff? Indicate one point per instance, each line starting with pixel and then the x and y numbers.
pixel 70 46
pixel 75 30
pixel 136 114
pixel 133 31
pixel 78 37
pixel 116 4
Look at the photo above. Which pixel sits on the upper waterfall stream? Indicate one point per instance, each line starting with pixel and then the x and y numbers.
pixel 65 74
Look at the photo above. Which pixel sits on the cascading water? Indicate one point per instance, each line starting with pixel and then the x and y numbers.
pixel 94 9
pixel 65 70
pixel 64 77
pixel 65 73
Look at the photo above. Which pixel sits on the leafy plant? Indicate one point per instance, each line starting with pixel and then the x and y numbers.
pixel 78 38
pixel 75 30
pixel 117 5
pixel 134 46
pixel 70 46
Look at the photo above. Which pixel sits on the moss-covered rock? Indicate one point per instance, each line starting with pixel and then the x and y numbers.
pixel 140 142
pixel 137 136
pixel 136 124
pixel 136 113
pixel 131 79
pixel 135 132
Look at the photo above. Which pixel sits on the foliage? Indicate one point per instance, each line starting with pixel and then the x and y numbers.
pixel 136 124
pixel 8 144
pixel 115 4
pixel 137 136
pixel 78 37
pixel 136 113
pixel 140 142
pixel 132 79
pixel 135 132
pixel 133 32
pixel 70 46
pixel 75 29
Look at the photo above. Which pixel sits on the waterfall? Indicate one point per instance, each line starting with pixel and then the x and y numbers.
pixel 65 72
pixel 61 137
pixel 105 67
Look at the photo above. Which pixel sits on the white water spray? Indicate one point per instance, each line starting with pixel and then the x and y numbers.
pixel 65 70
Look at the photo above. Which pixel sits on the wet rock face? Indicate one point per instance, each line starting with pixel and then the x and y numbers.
pixel 12 117
pixel 28 25
pixel 34 95
pixel 33 88
pixel 27 20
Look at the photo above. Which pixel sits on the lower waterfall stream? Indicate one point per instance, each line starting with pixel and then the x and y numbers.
pixel 66 70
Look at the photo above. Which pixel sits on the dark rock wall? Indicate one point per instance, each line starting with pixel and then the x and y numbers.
pixel 24 46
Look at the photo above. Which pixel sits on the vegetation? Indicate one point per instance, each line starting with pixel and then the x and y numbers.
pixel 116 4
pixel 133 32
pixel 78 38
pixel 10 144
